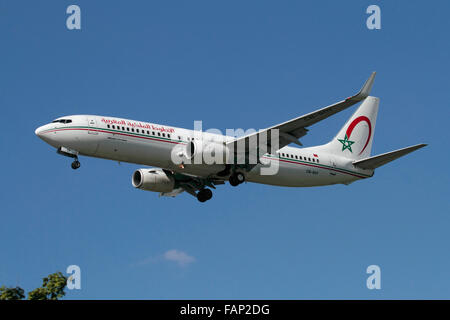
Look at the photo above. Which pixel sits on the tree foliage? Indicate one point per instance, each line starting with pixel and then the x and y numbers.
pixel 52 289
pixel 16 293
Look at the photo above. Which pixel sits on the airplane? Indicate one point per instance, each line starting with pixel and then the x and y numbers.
pixel 343 160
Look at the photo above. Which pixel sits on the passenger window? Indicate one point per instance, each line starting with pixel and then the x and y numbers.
pixel 168 135
pixel 164 135
pixel 309 159
pixel 179 138
pixel 128 129
pixel 132 129
pixel 114 127
pixel 148 132
pixel 153 133
pixel 123 128
pixel 296 157
pixel 317 160
pixel 107 126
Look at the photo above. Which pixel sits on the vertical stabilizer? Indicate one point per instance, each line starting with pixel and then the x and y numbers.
pixel 355 139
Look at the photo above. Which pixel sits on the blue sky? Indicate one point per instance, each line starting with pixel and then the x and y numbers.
pixel 232 64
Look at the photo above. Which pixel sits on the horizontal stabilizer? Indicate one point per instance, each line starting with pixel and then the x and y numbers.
pixel 382 159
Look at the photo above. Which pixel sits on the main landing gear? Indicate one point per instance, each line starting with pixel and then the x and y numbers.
pixel 75 164
pixel 204 195
pixel 236 178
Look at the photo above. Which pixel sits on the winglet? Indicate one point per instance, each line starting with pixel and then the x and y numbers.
pixel 365 90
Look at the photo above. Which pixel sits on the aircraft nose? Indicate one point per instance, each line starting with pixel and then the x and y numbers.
pixel 38 131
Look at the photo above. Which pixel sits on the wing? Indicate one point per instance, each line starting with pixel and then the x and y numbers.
pixel 290 131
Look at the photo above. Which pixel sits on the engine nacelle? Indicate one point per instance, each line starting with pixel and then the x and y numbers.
pixel 155 180
pixel 206 152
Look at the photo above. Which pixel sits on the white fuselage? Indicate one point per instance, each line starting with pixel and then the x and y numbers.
pixel 151 145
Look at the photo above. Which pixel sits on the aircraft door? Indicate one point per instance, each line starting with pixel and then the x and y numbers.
pixel 332 165
pixel 92 124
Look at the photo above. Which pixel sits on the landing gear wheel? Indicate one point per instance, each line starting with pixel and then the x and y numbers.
pixel 75 165
pixel 240 177
pixel 204 195
pixel 233 181
pixel 236 179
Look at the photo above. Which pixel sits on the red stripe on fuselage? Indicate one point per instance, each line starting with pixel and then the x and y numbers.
pixel 119 133
pixel 315 166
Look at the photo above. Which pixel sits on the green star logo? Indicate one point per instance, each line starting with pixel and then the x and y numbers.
pixel 346 144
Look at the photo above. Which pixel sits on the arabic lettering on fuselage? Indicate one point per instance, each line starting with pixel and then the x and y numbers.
pixel 137 124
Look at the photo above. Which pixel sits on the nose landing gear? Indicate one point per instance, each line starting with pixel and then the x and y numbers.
pixel 75 164
pixel 71 154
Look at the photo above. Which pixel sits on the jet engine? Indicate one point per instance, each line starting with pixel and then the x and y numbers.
pixel 155 180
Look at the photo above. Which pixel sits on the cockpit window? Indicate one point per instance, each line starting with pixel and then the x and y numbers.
pixel 62 121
